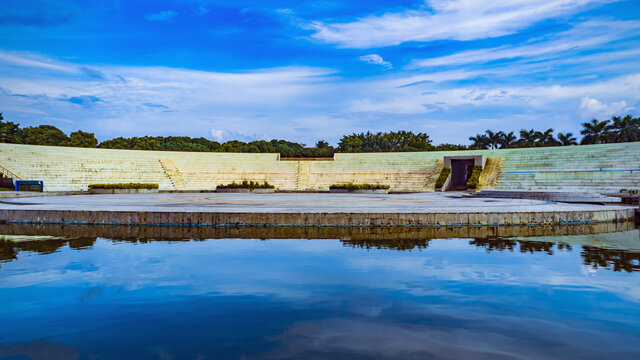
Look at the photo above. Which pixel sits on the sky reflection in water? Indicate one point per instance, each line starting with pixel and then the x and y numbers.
pixel 291 298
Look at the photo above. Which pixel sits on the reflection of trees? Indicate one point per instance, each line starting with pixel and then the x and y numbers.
pixel 616 260
pixel 526 246
pixel 536 246
pixel 8 251
pixel 399 245
pixel 494 244
pixel 40 246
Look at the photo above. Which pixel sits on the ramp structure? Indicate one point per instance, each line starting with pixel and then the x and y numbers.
pixel 606 167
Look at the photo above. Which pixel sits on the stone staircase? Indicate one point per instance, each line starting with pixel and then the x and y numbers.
pixel 172 172
pixel 598 168
pixel 302 178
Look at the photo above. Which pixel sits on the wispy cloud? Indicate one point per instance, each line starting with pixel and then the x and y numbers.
pixel 162 15
pixel 201 10
pixel 584 36
pixel 446 19
pixel 450 104
pixel 377 60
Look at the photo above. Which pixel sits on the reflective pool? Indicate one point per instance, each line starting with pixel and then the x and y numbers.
pixel 560 297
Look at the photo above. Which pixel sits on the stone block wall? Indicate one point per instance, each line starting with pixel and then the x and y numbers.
pixel 607 167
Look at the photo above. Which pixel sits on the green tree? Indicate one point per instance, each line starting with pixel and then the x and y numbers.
pixel 567 139
pixel 508 140
pixel 322 144
pixel 546 138
pixel 9 132
pixel 383 142
pixel 595 132
pixel 624 129
pixel 495 138
pixel 528 138
pixel 44 135
pixel 82 139
pixel 450 147
pixel 479 142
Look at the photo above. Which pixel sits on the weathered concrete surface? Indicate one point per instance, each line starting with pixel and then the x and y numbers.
pixel 420 209
pixel 30 232
pixel 556 196
pixel 602 167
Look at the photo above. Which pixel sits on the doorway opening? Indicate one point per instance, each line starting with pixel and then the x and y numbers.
pixel 460 173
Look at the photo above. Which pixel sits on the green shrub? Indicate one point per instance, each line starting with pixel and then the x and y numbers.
pixel 443 177
pixel 119 186
pixel 354 187
pixel 472 183
pixel 246 185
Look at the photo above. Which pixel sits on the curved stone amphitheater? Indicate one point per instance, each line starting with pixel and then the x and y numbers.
pixel 607 167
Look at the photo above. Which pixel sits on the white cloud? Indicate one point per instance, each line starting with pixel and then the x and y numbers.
pixel 446 19
pixel 595 108
pixel 376 59
pixel 201 11
pixel 216 135
pixel 162 15
pixel 302 104
pixel 587 35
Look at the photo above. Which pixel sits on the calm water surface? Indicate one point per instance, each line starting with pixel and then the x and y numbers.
pixel 539 298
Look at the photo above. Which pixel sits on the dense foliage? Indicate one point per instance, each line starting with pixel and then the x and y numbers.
pixel 246 185
pixel 385 142
pixel 354 187
pixel 472 183
pixel 126 186
pixel 617 129
pixel 444 174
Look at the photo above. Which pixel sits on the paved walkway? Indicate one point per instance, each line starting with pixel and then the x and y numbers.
pixel 292 203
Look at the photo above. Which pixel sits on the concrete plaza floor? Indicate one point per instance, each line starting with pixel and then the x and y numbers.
pixel 292 203
pixel 303 209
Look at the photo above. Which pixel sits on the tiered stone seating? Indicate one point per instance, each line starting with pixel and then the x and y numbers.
pixel 608 167
pixel 64 168
pixel 207 170
pixel 402 171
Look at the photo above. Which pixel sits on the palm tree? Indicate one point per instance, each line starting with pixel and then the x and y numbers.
pixel 595 132
pixel 546 138
pixel 494 138
pixel 480 141
pixel 567 139
pixel 528 138
pixel 624 129
pixel 508 140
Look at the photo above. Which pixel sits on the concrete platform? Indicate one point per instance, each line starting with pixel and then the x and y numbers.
pixel 304 210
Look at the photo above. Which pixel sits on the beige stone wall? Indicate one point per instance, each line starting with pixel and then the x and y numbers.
pixel 606 167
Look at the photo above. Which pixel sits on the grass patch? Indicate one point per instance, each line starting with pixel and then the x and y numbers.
pixel 354 187
pixel 121 186
pixel 444 174
pixel 472 183
pixel 246 185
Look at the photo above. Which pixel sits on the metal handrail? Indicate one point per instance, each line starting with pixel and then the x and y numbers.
pixel 10 174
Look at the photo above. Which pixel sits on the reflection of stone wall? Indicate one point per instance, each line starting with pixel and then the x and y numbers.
pixel 603 167
pixel 15 231
pixel 598 255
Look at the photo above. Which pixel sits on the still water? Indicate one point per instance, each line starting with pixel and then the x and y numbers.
pixel 562 297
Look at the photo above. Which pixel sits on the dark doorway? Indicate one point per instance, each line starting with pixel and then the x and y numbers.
pixel 460 173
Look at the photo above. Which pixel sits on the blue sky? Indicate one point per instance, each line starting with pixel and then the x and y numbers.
pixel 313 70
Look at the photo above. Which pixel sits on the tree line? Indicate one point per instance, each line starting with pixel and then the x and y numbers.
pixel 594 132
pixel 616 130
